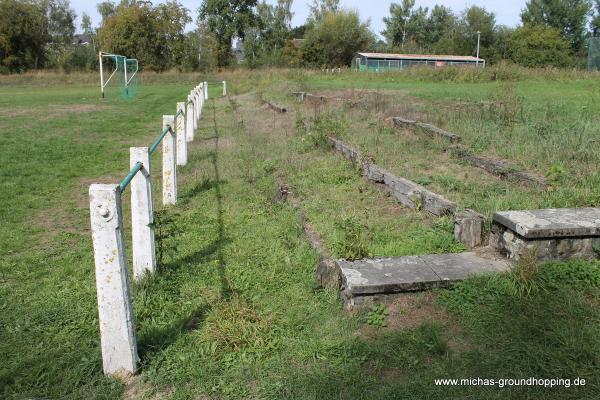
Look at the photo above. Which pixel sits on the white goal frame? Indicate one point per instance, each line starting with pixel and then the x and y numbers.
pixel 128 79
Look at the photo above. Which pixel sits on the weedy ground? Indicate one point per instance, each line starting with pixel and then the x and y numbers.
pixel 233 311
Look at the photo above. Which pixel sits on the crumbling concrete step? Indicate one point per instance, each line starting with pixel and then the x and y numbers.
pixel 552 234
pixel 364 278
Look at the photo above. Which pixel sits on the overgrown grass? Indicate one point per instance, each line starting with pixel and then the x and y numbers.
pixel 233 311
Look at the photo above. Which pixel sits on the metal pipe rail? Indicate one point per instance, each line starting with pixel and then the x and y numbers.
pixel 136 168
pixel 159 139
pixel 117 328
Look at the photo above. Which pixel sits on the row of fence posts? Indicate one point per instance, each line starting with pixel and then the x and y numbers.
pixel 115 314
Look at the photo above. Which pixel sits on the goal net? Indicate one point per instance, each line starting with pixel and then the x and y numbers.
pixel 119 72
pixel 594 54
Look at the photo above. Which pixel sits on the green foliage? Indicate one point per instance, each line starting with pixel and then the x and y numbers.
pixel 538 46
pixel 569 17
pixel 225 19
pixel 555 174
pixel 153 35
pixel 264 43
pixel 352 242
pixel 334 39
pixel 376 316
pixel 523 278
pixel 23 35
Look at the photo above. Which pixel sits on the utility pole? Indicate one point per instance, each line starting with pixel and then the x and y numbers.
pixel 478 39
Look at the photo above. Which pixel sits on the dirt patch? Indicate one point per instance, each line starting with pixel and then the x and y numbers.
pixel 135 389
pixel 50 112
pixel 410 310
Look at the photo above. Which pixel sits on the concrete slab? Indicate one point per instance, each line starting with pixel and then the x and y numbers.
pixel 457 267
pixel 386 275
pixel 552 223
pixel 412 273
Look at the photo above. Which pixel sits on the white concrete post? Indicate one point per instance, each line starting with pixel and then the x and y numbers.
pixel 169 158
pixel 197 94
pixel 189 120
pixel 200 102
pixel 181 139
pixel 117 331
pixel 142 232
pixel 205 90
pixel 224 88
pixel 196 108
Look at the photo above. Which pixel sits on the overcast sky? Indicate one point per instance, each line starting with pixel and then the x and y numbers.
pixel 507 11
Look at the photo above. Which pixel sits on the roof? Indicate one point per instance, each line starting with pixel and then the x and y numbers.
pixel 431 57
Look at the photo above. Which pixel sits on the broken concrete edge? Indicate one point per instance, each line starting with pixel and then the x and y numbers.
pixel 502 168
pixel 429 129
pixel 382 277
pixel 551 222
pixel 275 107
pixel 327 273
pixel 434 131
pixel 406 191
pixel 415 196
pixel 514 246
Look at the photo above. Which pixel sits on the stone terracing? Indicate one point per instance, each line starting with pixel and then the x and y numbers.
pixel 502 168
pixel 275 107
pixel 552 234
pixel 365 281
pixel 407 192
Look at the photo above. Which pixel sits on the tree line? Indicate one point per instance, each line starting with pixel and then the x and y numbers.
pixel 36 34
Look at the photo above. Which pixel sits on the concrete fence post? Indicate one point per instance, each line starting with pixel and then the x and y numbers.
pixel 142 217
pixel 196 107
pixel 181 135
pixel 224 88
pixel 189 120
pixel 169 158
pixel 205 90
pixel 117 331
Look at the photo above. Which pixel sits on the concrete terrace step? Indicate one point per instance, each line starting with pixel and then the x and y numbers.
pixel 384 276
pixel 553 234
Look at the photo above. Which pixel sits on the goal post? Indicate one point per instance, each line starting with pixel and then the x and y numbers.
pixel 125 69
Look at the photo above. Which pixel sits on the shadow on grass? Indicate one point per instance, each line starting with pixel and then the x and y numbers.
pixel 170 274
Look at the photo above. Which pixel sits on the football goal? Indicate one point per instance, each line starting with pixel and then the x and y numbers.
pixel 120 70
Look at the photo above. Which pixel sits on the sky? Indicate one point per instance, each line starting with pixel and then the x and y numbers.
pixel 507 11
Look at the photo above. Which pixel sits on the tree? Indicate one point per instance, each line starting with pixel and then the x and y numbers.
pixel 61 21
pixel 568 16
pixel 335 39
pixel 595 22
pixel 154 35
pixel 319 8
pixel 23 35
pixel 398 25
pixel 538 46
pixel 441 21
pixel 86 24
pixel 106 9
pixel 225 19
pixel 264 43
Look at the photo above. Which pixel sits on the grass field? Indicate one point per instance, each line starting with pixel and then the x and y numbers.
pixel 233 311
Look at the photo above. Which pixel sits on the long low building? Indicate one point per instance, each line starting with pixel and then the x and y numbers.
pixel 388 61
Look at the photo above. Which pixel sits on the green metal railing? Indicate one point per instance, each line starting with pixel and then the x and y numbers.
pixel 125 182
pixel 159 139
pixel 138 166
